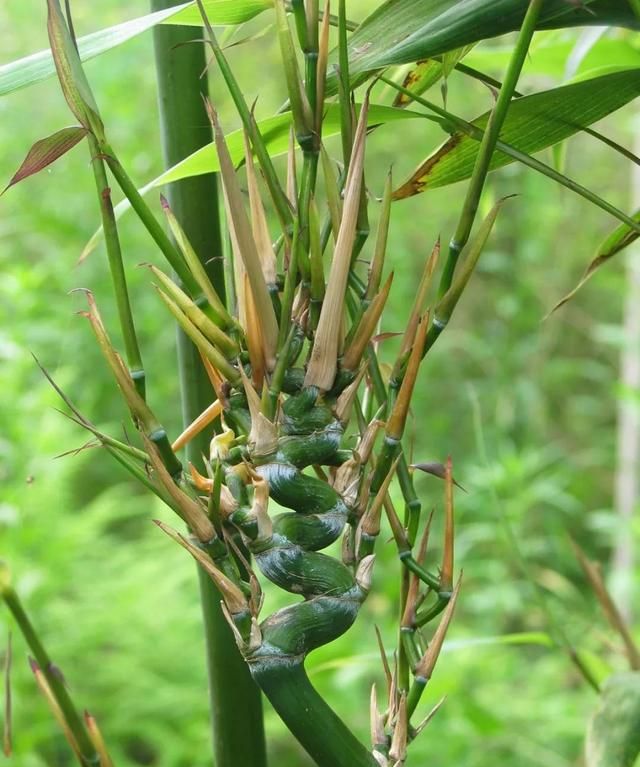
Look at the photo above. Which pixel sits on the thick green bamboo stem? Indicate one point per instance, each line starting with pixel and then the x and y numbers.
pixel 316 726
pixel 236 707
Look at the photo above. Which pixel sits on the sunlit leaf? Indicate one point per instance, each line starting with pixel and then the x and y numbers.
pixel 533 123
pixel 39 66
pixel 46 151
pixel 613 737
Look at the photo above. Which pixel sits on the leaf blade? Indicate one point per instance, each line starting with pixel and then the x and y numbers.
pixel 39 66
pixel 46 151
pixel 533 123
pixel 404 31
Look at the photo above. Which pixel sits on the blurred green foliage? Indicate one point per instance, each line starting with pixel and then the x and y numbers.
pixel 526 408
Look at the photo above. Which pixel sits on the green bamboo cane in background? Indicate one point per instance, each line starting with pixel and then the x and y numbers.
pixel 236 709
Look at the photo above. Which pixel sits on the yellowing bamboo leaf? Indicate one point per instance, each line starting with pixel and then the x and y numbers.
pixel 428 72
pixel 533 123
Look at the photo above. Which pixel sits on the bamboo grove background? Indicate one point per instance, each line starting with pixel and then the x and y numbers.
pixel 527 409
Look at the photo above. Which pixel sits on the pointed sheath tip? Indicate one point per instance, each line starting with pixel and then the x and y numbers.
pixel 164 202
pixel 34 665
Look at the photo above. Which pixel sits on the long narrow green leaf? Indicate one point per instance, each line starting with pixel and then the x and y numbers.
pixel 405 31
pixel 533 123
pixel 39 66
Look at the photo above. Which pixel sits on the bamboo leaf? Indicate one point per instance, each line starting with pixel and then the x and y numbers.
pixel 618 240
pixel 533 123
pixel 613 736
pixel 220 12
pixel 39 66
pixel 46 151
pixel 428 72
pixel 405 31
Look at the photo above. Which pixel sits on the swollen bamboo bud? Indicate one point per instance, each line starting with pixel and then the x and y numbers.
pixel 259 509
pixel 364 573
pixel 263 437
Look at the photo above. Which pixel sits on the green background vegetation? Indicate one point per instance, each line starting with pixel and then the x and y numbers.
pixel 525 407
